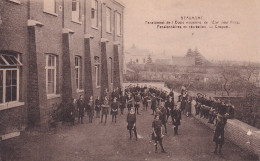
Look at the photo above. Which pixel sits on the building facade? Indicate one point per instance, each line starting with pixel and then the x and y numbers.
pixel 52 51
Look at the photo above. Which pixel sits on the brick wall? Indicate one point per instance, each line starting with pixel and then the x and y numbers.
pixel 39 40
pixel 13 37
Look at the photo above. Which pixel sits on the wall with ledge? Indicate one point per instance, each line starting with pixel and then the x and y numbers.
pixel 245 136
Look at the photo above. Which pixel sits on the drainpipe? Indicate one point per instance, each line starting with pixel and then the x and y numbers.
pixel 85 16
pixel 123 36
pixel 63 25
pixel 101 17
pixel 28 9
pixel 114 28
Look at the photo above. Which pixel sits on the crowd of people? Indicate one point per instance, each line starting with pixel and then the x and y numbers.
pixel 217 112
pixel 163 107
pixel 209 108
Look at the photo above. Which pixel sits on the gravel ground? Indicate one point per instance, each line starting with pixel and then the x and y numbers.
pixel 111 141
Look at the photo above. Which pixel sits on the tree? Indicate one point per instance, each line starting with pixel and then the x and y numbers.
pixel 230 75
pixel 149 60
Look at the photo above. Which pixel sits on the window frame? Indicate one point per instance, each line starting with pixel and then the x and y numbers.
pixel 94 3
pixel 5 86
pixel 118 24
pixel 76 19
pixel 97 67
pixel 47 10
pixel 55 74
pixel 79 68
pixel 10 67
pixel 108 19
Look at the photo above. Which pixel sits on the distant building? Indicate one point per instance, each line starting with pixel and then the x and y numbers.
pixel 183 61
pixel 135 55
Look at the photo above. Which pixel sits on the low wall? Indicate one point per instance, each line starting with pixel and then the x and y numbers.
pixel 245 136
pixel 152 84
pixel 241 134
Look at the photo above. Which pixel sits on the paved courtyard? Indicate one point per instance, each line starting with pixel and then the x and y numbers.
pixel 110 141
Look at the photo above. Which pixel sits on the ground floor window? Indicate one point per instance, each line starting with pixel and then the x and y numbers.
pixel 97 74
pixel 9 78
pixel 78 67
pixel 97 70
pixel 51 74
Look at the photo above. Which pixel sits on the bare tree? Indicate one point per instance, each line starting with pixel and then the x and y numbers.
pixel 230 75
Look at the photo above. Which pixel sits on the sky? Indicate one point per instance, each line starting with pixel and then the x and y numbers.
pixel 239 42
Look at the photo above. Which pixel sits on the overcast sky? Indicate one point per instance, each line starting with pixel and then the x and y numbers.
pixel 239 42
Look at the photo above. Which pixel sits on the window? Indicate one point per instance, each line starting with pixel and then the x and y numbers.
pixel 111 69
pixel 94 13
pixel 75 10
pixel 118 23
pixel 9 78
pixel 78 68
pixel 108 19
pixel 97 71
pixel 49 6
pixel 50 74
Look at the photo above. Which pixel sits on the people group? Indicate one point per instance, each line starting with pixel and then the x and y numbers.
pixel 217 112
pixel 209 108
pixel 163 107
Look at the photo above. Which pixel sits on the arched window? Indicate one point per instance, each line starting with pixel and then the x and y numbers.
pixel 9 77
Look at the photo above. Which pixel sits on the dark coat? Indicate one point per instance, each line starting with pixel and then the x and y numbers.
pixel 114 108
pixel 176 117
pixel 169 106
pixel 163 115
pixel 183 102
pixel 131 120
pixel 188 103
pixel 157 124
pixel 105 107
pixel 154 103
pixel 219 133
pixel 98 104
pixel 81 107
pixel 90 108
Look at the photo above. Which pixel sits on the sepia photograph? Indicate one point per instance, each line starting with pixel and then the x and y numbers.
pixel 129 80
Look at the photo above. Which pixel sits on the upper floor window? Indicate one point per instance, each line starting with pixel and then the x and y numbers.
pixel 108 19
pixel 75 10
pixel 94 13
pixel 51 70
pixel 9 78
pixel 49 6
pixel 78 67
pixel 118 24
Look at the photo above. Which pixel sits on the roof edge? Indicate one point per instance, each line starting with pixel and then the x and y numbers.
pixel 119 2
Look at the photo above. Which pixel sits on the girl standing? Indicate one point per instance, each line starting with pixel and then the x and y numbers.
pixel 105 107
pixel 114 109
pixel 98 104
